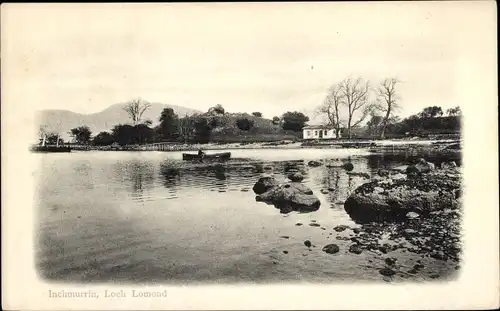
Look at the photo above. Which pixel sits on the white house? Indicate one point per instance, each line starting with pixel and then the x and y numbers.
pixel 319 132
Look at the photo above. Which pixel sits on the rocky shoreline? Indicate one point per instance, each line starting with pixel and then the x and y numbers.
pixel 407 218
pixel 396 146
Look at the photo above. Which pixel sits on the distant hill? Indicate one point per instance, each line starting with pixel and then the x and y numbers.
pixel 62 121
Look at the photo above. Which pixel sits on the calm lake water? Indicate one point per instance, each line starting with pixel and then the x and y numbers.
pixel 150 217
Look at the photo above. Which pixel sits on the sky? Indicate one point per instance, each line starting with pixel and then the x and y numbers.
pixel 247 57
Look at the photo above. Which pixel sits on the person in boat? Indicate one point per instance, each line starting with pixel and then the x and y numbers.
pixel 201 154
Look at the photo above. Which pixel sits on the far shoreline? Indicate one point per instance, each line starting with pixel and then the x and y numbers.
pixel 373 145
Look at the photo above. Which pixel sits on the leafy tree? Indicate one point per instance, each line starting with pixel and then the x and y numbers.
pixel 431 112
pixel 257 114
pixel 81 134
pixel 276 120
pixel 169 124
pixel 103 139
pixel 217 110
pixel 244 124
pixel 136 108
pixel 374 125
pixel 294 121
pixel 186 128
pixel 454 111
pixel 202 129
pixel 125 134
pixel 143 134
pixel 418 125
pixel 54 139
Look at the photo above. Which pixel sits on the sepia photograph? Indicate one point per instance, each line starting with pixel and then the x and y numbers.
pixel 182 145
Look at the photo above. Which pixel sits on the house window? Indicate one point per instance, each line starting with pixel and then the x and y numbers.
pixel 325 132
pixel 315 133
pixel 308 133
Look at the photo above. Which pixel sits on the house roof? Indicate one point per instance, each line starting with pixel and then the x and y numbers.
pixel 318 127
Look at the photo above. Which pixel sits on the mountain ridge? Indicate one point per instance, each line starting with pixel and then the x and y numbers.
pixel 61 121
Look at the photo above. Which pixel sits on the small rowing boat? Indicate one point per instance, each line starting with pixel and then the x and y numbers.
pixel 221 156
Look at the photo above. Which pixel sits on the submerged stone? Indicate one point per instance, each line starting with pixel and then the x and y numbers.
pixel 331 248
pixel 290 197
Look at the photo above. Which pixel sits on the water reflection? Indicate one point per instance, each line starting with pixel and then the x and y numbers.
pixel 289 167
pixel 331 180
pixel 157 219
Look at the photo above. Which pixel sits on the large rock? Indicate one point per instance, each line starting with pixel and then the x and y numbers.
pixel 381 201
pixel 296 177
pixel 291 197
pixel 421 166
pixel 331 249
pixel 265 183
pixel 348 166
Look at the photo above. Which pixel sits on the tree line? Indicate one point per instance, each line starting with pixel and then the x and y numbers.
pixel 351 101
pixel 347 104
pixel 197 128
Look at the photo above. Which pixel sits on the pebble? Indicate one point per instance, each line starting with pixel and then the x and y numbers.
pixel 340 228
pixel 331 248
pixel 355 249
pixel 438 255
pixel 387 272
pixel 307 243
pixel 390 261
pixel 410 231
pixel 412 215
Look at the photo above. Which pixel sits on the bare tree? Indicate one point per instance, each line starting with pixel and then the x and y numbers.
pixel 331 106
pixel 386 101
pixel 355 97
pixel 136 108
pixel 42 134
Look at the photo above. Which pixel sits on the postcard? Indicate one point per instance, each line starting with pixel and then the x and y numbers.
pixel 250 156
